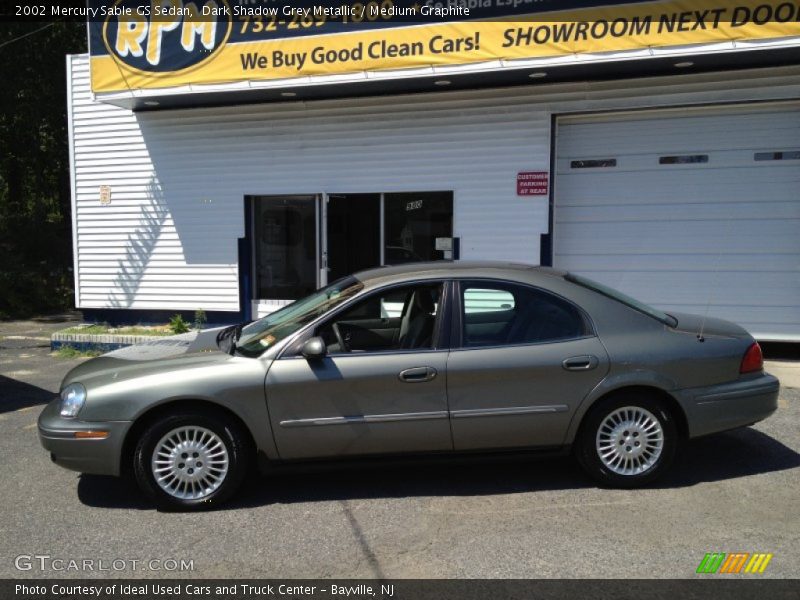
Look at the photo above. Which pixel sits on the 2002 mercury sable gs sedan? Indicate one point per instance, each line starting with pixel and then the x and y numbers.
pixel 428 358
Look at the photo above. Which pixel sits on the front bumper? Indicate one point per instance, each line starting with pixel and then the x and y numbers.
pixel 730 405
pixel 95 456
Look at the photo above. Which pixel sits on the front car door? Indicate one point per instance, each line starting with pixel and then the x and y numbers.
pixel 525 361
pixel 381 389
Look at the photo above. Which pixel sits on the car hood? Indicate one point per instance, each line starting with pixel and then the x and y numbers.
pixel 186 351
pixel 710 326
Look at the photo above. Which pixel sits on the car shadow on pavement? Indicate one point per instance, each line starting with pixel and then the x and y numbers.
pixel 729 455
pixel 15 394
pixel 102 491
pixel 719 457
pixel 336 482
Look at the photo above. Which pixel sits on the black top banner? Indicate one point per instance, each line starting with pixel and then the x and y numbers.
pixel 356 13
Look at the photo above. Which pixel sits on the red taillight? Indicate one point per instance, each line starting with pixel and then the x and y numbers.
pixel 753 360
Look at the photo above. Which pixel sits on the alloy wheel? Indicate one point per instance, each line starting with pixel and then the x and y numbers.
pixel 190 462
pixel 629 440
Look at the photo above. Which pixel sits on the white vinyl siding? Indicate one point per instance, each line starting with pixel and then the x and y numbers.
pixel 168 240
pixel 178 179
pixel 141 250
pixel 721 234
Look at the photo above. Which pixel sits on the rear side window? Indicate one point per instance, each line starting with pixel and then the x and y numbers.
pixel 500 314
pixel 487 300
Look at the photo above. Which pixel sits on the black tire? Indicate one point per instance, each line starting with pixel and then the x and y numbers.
pixel 228 431
pixel 586 450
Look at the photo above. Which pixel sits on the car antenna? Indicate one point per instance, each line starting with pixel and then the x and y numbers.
pixel 700 337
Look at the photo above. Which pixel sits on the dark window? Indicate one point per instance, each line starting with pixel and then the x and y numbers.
pixel 399 319
pixel 792 155
pixel 354 234
pixel 285 239
pixel 398 256
pixel 502 314
pixel 686 159
pixel 414 221
pixel 594 164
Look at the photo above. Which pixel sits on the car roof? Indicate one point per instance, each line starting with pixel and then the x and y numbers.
pixel 461 269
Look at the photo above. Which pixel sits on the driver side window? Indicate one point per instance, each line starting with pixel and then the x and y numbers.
pixel 398 319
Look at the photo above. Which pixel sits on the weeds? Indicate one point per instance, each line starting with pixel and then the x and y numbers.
pixel 178 325
pixel 70 352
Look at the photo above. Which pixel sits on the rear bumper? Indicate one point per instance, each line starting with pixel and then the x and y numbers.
pixel 95 456
pixel 730 405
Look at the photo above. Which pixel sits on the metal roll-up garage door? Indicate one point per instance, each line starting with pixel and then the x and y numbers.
pixel 688 210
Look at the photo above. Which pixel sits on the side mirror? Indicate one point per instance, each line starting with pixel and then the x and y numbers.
pixel 314 348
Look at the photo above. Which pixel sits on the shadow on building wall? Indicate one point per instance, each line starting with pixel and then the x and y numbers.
pixel 202 189
pixel 139 247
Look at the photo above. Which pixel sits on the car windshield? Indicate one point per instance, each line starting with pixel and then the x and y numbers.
pixel 624 298
pixel 265 333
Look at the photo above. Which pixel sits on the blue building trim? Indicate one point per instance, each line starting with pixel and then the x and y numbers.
pixel 116 316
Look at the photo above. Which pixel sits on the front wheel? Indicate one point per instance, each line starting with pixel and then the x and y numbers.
pixel 627 441
pixel 191 460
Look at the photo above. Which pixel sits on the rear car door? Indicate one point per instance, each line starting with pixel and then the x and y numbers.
pixel 381 389
pixel 523 360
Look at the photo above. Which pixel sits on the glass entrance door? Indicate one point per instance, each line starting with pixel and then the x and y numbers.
pixel 353 233
pixel 285 246
pixel 301 242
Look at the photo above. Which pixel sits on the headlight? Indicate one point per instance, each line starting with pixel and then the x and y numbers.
pixel 72 399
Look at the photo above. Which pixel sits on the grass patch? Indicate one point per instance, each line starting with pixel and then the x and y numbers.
pixel 90 329
pixel 70 352
pixel 104 329
pixel 161 330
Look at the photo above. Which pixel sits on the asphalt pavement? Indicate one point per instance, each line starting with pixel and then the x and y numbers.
pixel 732 492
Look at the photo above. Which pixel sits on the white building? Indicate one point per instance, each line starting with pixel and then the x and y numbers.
pixel 670 173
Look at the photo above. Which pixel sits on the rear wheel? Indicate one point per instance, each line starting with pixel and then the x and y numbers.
pixel 191 460
pixel 628 440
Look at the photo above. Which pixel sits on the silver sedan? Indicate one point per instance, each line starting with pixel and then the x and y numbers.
pixel 439 358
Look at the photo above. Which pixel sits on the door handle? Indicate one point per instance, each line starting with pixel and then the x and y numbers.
pixel 417 374
pixel 580 363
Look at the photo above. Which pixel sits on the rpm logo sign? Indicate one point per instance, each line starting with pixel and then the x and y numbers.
pixel 166 36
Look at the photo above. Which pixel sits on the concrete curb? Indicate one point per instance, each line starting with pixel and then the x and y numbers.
pixel 84 342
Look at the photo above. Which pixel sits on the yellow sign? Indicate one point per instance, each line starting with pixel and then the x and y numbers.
pixel 105 194
pixel 183 47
